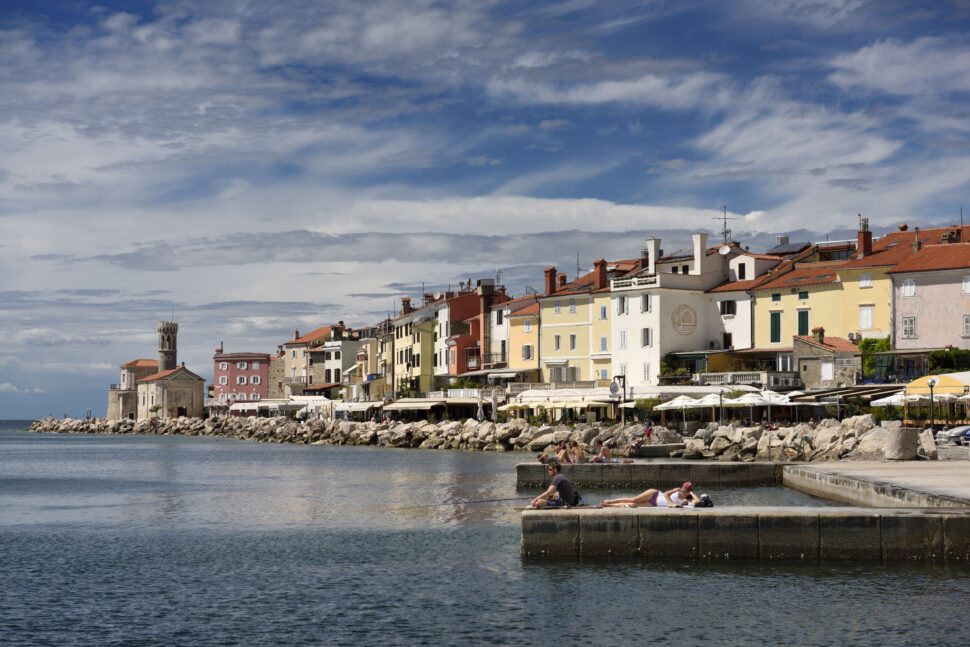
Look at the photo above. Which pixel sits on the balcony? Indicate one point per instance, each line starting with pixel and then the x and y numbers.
pixel 295 380
pixel 484 394
pixel 515 388
pixel 634 282
pixel 491 359
pixel 766 379
pixel 473 363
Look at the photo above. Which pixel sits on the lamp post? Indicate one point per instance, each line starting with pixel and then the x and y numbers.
pixel 720 404
pixel 931 383
pixel 621 379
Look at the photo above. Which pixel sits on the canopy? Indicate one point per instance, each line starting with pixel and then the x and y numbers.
pixel 945 383
pixel 357 406
pixel 680 402
pixel 746 400
pixel 770 397
pixel 709 400
pixel 894 400
pixel 422 405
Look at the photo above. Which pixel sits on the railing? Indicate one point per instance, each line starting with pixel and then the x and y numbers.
pixel 515 388
pixel 769 379
pixel 215 402
pixel 485 394
pixel 634 282
pixel 117 387
pixel 295 380
pixel 473 362
pixel 494 358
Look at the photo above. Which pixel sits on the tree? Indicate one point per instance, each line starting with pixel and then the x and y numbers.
pixel 869 346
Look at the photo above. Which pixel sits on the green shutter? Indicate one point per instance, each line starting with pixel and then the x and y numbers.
pixel 775 327
pixel 803 322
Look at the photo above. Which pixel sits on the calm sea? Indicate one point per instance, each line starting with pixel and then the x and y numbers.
pixel 127 540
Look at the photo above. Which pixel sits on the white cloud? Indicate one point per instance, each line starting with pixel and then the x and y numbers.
pixel 929 65
pixel 553 124
pixel 7 387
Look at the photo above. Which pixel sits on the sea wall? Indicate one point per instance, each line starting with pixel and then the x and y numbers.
pixel 777 534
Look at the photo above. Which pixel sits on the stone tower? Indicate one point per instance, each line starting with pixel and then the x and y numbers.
pixel 167 345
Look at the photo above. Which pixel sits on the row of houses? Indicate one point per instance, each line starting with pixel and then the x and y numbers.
pixel 710 314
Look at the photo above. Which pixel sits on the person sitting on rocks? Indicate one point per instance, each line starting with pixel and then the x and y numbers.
pixel 562 454
pixel 576 453
pixel 603 454
pixel 653 498
pixel 560 493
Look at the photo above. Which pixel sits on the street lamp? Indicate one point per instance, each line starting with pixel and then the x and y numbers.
pixel 622 382
pixel 720 403
pixel 931 383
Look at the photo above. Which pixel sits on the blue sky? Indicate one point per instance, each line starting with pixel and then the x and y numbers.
pixel 259 167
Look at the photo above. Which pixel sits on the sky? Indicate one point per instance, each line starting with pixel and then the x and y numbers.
pixel 254 168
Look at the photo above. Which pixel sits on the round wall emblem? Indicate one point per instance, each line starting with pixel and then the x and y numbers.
pixel 684 319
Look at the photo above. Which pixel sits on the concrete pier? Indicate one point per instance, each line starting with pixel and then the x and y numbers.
pixel 810 535
pixel 917 511
pixel 666 474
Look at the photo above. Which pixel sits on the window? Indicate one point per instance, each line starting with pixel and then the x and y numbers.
pixel 255 379
pixel 255 366
pixel 223 379
pixel 527 351
pixel 604 374
pixel 644 303
pixel 498 317
pixel 558 304
pixel 556 342
pixel 326 356
pixel 776 296
pixel 241 366
pixel 909 327
pixel 775 327
pixel 684 269
pixel 784 362
pixel 254 396
pixel 623 369
pixel 336 354
pixel 572 306
pixel 623 339
pixel 293 356
pixel 603 344
pixel 646 337
pixel 966 284
pixel 865 280
pixel 803 322
pixel 742 271
pixel 240 379
pixel 240 396
pixel 222 397
pixel 803 295
pixel 326 375
pixel 674 270
pixel 865 317
pixel 417 360
pixel 603 312
pixel 729 307
pixel 527 326
pixel 572 342
pixel 621 305
pixel 223 366
pixel 966 325
pixel 909 287
pixel 727 339
pixel 646 372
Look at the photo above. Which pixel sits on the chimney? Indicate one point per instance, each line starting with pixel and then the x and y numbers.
pixel 904 227
pixel 550 280
pixel 183 364
pixel 219 350
pixel 917 243
pixel 406 305
pixel 819 334
pixel 340 323
pixel 599 269
pixel 781 240
pixel 652 249
pixel 700 252
pixel 296 334
pixel 562 280
pixel 863 245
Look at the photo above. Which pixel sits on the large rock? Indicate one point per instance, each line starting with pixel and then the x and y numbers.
pixel 927 445
pixel 693 448
pixel 664 436
pixel 720 444
pixel 872 446
pixel 902 445
pixel 541 442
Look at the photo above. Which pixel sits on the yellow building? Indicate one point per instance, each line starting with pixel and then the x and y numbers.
pixel 574 340
pixel 523 318
pixel 796 302
pixel 414 341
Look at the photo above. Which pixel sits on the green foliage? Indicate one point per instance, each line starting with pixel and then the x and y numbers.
pixel 871 345
pixel 464 383
pixel 953 359
pixel 732 395
pixel 155 408
pixel 646 404
pixel 881 414
pixel 667 366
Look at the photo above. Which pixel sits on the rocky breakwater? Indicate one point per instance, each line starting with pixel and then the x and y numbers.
pixel 470 434
pixel 856 438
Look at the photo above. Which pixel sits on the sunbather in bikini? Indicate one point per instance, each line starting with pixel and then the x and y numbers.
pixel 675 498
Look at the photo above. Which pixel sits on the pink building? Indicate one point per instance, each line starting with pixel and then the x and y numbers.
pixel 238 377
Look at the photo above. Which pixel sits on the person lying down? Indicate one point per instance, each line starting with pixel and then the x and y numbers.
pixel 680 497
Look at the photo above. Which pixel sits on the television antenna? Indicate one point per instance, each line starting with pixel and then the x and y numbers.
pixel 725 232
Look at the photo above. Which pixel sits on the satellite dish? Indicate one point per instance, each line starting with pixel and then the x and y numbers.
pixel 724 250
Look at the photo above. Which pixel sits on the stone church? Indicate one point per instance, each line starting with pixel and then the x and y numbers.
pixel 159 388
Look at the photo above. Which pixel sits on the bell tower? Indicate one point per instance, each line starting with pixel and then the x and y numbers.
pixel 167 345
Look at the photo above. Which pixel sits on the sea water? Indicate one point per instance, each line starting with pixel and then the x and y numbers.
pixel 142 540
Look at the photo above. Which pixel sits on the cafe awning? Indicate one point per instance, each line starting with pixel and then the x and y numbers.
pixel 413 405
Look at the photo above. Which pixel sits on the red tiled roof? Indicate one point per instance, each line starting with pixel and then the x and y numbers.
pixel 159 375
pixel 239 355
pixel 526 311
pixel 760 257
pixel 950 256
pixel 836 344
pixel 895 247
pixel 735 286
pixel 312 336
pixel 803 276
pixel 587 282
pixel 141 363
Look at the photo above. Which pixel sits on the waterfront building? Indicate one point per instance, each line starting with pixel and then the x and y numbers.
pixel 663 308
pixel 823 361
pixel 385 361
pixel 931 304
pixel 299 373
pixel 171 393
pixel 277 371
pixel 361 381
pixel 242 376
pixel 522 317
pixel 575 323
pixel 414 347
pixel 123 396
pixel 330 360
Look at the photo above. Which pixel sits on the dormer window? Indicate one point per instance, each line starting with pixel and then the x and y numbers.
pixel 742 271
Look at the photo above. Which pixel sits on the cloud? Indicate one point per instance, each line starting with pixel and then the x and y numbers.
pixel 7 387
pixel 928 65
pixel 553 124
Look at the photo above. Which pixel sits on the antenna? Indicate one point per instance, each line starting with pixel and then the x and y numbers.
pixel 725 232
pixel 578 269
pixel 961 217
pixel 498 276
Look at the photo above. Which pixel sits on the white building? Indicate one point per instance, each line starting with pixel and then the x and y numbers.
pixel 665 307
pixel 732 301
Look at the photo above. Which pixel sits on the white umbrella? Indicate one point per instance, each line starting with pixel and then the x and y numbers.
pixel 680 402
pixel 481 414
pixel 494 407
pixel 894 400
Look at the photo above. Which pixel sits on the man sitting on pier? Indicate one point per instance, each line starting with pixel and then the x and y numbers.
pixel 604 454
pixel 560 492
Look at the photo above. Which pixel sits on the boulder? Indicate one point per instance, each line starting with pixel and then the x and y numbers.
pixel 541 442
pixel 902 444
pixel 693 448
pixel 927 445
pixel 720 444
pixel 664 436
pixel 872 446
